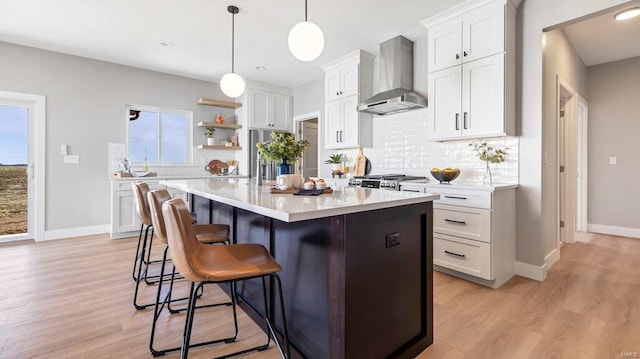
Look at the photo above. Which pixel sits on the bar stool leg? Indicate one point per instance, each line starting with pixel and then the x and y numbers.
pixel 135 261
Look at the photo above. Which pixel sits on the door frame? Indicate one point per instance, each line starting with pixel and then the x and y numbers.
pixel 582 219
pixel 37 119
pixel 297 127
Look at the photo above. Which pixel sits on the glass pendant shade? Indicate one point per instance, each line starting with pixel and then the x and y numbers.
pixel 306 41
pixel 232 84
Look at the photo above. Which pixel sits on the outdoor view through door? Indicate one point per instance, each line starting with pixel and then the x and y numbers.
pixel 14 127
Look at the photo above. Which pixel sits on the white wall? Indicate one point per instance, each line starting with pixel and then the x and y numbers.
pixel 86 109
pixel 561 60
pixel 534 16
pixel 613 91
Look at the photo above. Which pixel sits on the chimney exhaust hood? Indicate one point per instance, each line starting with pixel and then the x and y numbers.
pixel 396 80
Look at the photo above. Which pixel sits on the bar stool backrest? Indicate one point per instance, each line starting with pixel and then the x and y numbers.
pixel 183 243
pixel 155 199
pixel 140 189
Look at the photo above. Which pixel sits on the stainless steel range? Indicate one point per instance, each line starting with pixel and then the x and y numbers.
pixel 389 182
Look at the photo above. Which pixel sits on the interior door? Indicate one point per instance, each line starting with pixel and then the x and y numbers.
pixel 309 163
pixel 22 165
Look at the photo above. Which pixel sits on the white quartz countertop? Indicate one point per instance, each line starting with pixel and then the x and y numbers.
pixel 245 194
pixel 459 185
pixel 171 177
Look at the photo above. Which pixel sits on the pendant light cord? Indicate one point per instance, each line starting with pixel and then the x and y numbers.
pixel 233 41
pixel 305 10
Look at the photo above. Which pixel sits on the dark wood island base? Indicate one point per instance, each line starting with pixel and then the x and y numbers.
pixel 358 285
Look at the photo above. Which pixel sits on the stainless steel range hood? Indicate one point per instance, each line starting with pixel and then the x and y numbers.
pixel 396 80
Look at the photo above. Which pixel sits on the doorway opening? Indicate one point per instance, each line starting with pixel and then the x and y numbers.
pixel 306 128
pixel 22 149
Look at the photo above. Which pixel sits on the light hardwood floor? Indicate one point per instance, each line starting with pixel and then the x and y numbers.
pixel 71 298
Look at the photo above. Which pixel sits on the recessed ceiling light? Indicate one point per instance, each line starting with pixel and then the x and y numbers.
pixel 627 14
pixel 260 68
pixel 166 43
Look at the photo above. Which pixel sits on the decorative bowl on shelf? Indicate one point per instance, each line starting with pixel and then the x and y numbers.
pixel 445 175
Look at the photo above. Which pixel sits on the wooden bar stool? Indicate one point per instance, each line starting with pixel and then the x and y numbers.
pixel 203 264
pixel 205 233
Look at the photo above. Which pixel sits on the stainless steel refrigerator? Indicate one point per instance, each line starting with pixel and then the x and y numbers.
pixel 267 168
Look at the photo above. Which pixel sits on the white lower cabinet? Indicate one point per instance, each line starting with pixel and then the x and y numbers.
pixel 474 231
pixel 124 218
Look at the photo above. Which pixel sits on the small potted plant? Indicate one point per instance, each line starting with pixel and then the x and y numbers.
pixel 336 160
pixel 210 132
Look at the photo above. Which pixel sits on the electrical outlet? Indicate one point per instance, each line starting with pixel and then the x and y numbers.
pixel 392 239
pixel 72 159
pixel 613 160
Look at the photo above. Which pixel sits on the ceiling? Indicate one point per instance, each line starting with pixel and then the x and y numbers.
pixel 600 39
pixel 130 32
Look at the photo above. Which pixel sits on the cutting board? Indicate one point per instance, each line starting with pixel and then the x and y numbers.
pixel 361 164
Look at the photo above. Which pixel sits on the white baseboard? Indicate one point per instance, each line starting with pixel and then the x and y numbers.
pixel 76 232
pixel 531 271
pixel 551 259
pixel 614 230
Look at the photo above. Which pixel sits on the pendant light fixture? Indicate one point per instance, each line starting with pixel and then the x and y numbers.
pixel 231 83
pixel 627 14
pixel 306 41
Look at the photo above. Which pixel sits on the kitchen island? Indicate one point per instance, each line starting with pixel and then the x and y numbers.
pixel 356 263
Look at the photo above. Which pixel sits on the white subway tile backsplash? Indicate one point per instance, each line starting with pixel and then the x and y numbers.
pixel 400 145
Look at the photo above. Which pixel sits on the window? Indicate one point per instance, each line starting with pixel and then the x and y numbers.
pixel 159 136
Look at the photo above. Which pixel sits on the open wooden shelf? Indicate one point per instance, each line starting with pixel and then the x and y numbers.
pixel 218 103
pixel 218 147
pixel 231 126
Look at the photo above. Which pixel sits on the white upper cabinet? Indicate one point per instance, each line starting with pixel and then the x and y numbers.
pixel 471 36
pixel 471 76
pixel 348 81
pixel 269 110
pixel 341 82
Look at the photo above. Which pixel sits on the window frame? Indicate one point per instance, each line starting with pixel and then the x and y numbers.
pixel 159 111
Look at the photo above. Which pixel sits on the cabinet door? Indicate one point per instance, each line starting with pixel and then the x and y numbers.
pixel 445 43
pixel 483 97
pixel 260 108
pixel 333 124
pixel 444 104
pixel 483 32
pixel 349 135
pixel 349 80
pixel 332 85
pixel 281 113
pixel 124 217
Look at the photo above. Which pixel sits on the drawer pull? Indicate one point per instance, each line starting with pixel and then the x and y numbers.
pixel 455 197
pixel 454 221
pixel 455 254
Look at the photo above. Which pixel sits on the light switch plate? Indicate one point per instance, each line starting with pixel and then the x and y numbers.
pixel 613 160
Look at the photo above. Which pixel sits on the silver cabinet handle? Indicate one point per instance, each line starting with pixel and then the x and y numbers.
pixel 457 56
pixel 411 190
pixel 464 53
pixel 457 121
pixel 337 136
pixel 455 254
pixel 454 221
pixel 341 140
pixel 464 120
pixel 455 197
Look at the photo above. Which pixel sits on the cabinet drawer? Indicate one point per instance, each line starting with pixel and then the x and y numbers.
pixel 126 185
pixel 462 255
pixel 462 197
pixel 469 223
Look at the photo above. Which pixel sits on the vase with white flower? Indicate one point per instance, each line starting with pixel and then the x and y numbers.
pixel 488 154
